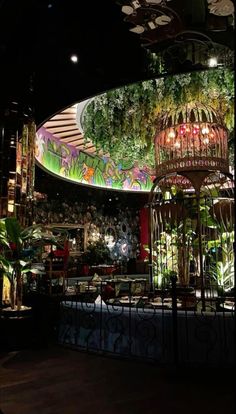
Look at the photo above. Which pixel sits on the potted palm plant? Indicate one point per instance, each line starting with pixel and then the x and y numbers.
pixel 17 249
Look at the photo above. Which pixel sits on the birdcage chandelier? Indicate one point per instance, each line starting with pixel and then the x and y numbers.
pixel 192 137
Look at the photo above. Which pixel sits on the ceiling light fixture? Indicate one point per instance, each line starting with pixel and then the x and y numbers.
pixel 163 20
pixel 154 1
pixel 74 58
pixel 137 29
pixel 127 10
pixel 136 4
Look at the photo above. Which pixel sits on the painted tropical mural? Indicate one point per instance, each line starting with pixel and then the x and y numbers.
pixel 75 165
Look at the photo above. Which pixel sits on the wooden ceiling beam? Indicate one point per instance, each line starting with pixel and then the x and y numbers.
pixel 62 115
pixel 62 129
pixel 71 110
pixel 70 140
pixel 59 123
pixel 69 134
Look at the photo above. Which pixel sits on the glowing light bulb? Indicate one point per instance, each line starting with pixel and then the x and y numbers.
pixel 206 140
pixel 212 62
pixel 171 134
pixel 74 58
pixel 177 144
pixel 205 130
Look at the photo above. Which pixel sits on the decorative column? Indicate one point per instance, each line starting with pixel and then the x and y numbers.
pixel 17 165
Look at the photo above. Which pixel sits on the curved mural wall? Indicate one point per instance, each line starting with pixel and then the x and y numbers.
pixel 61 149
pixel 82 167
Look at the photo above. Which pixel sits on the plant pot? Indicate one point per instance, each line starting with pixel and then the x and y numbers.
pixel 16 328
pixel 24 312
pixel 187 296
pixel 183 290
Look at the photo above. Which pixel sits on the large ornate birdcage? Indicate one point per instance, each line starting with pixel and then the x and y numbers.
pixel 193 137
pixel 192 201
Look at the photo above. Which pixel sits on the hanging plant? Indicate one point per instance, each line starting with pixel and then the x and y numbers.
pixel 123 122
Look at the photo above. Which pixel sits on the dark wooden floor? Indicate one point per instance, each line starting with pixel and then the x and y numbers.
pixel 55 380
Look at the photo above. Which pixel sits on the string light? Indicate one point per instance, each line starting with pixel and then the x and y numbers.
pixel 171 134
pixel 205 130
pixel 205 140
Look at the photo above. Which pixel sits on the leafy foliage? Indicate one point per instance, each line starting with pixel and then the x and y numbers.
pixel 97 253
pixel 123 122
pixel 18 247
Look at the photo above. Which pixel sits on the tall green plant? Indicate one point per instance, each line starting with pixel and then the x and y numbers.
pixel 222 266
pixel 15 243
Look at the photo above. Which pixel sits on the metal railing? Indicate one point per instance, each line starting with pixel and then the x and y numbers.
pixel 167 325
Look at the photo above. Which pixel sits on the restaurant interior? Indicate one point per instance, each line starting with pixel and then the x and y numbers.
pixel 117 193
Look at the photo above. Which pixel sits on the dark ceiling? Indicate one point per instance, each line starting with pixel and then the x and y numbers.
pixel 37 38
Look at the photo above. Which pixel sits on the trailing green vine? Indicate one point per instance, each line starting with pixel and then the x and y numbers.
pixel 123 122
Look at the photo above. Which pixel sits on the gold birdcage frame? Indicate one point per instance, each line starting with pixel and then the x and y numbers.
pixel 191 138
